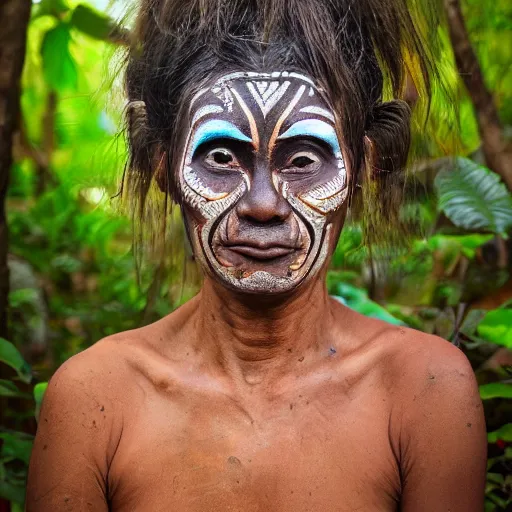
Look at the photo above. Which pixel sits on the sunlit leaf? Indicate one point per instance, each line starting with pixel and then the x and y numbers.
pixel 59 68
pixel 357 299
pixel 497 327
pixel 474 198
pixel 39 391
pixel 495 390
pixel 10 355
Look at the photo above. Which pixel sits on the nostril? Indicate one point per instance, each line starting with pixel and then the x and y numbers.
pixel 267 209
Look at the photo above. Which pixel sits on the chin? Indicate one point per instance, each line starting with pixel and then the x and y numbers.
pixel 259 282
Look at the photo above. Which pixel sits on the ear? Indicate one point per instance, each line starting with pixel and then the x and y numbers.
pixel 388 138
pixel 377 195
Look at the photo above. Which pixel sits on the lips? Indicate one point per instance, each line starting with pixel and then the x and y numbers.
pixel 262 253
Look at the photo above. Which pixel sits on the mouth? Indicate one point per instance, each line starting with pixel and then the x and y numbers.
pixel 262 253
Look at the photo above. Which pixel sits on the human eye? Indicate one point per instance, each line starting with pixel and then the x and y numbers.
pixel 302 162
pixel 221 158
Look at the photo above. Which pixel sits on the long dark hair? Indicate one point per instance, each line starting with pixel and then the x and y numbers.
pixel 365 55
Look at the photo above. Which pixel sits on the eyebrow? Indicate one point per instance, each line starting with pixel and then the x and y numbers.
pixel 313 128
pixel 204 111
pixel 319 111
pixel 216 129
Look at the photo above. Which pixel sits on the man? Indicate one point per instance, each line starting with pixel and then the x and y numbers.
pixel 262 392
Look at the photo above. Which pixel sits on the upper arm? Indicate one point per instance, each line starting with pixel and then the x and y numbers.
pixel 76 434
pixel 443 439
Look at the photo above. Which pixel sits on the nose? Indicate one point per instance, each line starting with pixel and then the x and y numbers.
pixel 263 203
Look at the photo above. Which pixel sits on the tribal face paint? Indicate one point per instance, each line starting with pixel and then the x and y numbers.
pixel 261 178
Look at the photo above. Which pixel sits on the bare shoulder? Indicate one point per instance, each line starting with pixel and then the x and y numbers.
pixel 423 367
pixel 436 400
pixel 423 372
pixel 92 384
pixel 427 364
pixel 115 368
pixel 410 358
pixel 437 423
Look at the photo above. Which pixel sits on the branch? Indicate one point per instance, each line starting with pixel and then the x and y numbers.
pixel 497 155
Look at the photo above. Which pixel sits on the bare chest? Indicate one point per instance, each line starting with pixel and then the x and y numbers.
pixel 327 452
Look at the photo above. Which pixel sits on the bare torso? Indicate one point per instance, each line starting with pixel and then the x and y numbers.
pixel 144 421
pixel 320 441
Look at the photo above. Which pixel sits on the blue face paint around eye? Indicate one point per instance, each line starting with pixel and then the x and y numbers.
pixel 314 128
pixel 216 129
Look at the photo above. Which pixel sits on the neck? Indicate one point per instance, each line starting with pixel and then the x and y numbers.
pixel 257 339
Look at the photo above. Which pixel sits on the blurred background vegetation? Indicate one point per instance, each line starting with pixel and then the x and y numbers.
pixel 73 277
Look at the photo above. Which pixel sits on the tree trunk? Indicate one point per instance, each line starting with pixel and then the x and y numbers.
pixel 494 146
pixel 14 18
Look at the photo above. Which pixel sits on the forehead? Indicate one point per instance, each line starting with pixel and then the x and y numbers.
pixel 260 102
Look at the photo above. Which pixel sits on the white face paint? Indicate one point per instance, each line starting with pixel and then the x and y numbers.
pixel 261 179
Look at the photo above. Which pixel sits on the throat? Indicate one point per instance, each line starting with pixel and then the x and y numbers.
pixel 254 340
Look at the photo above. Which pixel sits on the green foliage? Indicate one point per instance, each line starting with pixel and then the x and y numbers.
pixel 452 247
pixel 8 388
pixel 495 390
pixel 39 391
pixel 504 433
pixel 474 198
pixel 59 68
pixel 15 446
pixel 496 327
pixel 52 7
pixel 358 300
pixel 10 356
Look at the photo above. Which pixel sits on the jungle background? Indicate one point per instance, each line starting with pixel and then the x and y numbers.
pixel 69 274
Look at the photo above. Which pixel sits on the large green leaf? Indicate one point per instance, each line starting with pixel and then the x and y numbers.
pixel 474 198
pixel 495 390
pixel 497 327
pixel 357 299
pixel 10 355
pixel 59 67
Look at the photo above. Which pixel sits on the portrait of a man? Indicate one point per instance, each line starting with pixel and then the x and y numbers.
pixel 266 122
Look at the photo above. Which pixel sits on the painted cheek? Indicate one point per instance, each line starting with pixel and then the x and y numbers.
pixel 210 185
pixel 328 197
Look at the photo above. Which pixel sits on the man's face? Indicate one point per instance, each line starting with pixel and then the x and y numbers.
pixel 261 180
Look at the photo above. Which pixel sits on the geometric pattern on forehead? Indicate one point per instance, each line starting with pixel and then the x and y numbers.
pixel 266 88
pixel 267 94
